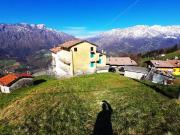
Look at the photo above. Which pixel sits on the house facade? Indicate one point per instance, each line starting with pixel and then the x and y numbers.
pixel 172 66
pixel 76 57
pixel 176 67
pixel 160 65
pixel 11 82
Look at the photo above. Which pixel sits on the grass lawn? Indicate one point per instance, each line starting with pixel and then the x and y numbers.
pixel 177 76
pixel 5 99
pixel 70 107
pixel 172 55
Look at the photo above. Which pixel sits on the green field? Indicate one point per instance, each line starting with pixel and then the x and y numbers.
pixel 70 107
pixel 167 56
pixel 171 55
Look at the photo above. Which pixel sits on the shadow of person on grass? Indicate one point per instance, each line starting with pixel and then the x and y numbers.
pixel 103 125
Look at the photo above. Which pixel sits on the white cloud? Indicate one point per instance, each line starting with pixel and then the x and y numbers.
pixel 80 32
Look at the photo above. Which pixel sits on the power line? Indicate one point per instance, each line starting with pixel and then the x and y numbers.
pixel 123 12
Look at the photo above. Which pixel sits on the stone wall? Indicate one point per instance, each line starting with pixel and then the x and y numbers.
pixel 24 82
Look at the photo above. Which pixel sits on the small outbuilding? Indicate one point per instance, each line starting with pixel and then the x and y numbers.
pixel 120 61
pixel 135 72
pixel 14 81
pixel 160 65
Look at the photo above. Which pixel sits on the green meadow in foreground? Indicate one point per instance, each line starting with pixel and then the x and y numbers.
pixel 70 107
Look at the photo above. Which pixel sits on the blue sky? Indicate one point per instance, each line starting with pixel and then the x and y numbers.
pixel 88 17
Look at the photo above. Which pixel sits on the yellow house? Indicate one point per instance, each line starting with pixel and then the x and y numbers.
pixel 101 57
pixel 172 66
pixel 76 57
pixel 176 66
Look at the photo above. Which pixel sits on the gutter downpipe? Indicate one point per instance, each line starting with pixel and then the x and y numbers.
pixel 72 62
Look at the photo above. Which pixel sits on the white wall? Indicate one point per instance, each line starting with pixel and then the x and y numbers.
pixel 102 71
pixel 133 75
pixel 61 60
pixel 5 89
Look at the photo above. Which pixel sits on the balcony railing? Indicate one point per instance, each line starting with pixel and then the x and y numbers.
pixel 65 60
pixel 64 67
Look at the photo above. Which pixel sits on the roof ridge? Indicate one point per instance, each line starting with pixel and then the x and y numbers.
pixel 68 45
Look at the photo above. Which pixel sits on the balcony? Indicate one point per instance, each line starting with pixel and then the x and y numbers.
pixel 65 57
pixel 66 60
pixel 64 67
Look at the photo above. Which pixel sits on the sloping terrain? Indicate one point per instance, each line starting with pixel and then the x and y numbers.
pixel 169 56
pixel 70 107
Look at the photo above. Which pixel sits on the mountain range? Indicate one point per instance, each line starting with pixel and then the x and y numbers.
pixel 137 39
pixel 22 40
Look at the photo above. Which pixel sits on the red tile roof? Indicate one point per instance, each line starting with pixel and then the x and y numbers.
pixel 71 43
pixel 10 78
pixel 121 61
pixel 56 49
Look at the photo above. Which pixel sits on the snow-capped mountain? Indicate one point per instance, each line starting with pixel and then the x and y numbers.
pixel 137 39
pixel 21 40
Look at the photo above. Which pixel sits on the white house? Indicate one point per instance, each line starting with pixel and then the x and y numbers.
pixel 11 82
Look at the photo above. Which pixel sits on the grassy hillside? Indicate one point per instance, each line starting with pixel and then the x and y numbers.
pixel 171 55
pixel 70 107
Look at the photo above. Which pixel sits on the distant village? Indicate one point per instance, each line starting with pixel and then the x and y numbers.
pixel 80 57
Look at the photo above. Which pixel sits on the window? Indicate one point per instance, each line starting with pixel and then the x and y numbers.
pixel 92 55
pixel 92 64
pixel 100 61
pixel 75 49
pixel 92 49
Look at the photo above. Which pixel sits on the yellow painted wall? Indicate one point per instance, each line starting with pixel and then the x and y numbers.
pixel 82 59
pixel 104 60
pixel 166 69
pixel 176 71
